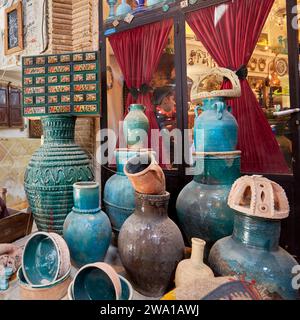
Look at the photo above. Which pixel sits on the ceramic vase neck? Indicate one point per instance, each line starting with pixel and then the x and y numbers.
pixel 217 170
pixel 209 103
pixel 122 156
pixel 58 128
pixel 86 196
pixel 257 232
pixel 153 205
pixel 135 107
pixel 197 255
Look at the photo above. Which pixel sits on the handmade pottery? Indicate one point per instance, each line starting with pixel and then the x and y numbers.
pixel 202 208
pixel 97 281
pixel 126 294
pixel 253 249
pixel 111 4
pixel 46 258
pixel 136 126
pixel 10 256
pixel 118 192
pixel 87 229
pixel 52 171
pixel 123 8
pixel 153 2
pixel 215 129
pixel 5 274
pixel 189 270
pixel 150 245
pixel 145 174
pixel 54 291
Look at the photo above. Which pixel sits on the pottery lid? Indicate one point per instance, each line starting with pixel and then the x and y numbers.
pixel 259 197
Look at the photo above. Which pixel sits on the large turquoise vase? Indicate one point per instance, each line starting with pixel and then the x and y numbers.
pixel 252 251
pixel 119 198
pixel 52 171
pixel 136 126
pixel 216 128
pixel 87 229
pixel 202 208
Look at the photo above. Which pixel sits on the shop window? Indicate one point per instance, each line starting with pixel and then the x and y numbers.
pixel 10 107
pixel 264 139
pixel 144 63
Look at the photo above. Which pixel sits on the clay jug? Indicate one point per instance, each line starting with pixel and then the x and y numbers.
pixel 192 269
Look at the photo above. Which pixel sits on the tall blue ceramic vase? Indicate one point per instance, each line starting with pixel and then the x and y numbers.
pixel 87 229
pixel 216 128
pixel 253 251
pixel 202 208
pixel 119 195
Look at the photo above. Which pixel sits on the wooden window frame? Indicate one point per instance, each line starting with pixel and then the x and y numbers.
pixel 20 47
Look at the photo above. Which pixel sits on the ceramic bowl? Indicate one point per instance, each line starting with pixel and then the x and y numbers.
pixel 54 291
pixel 46 258
pixel 126 294
pixel 96 281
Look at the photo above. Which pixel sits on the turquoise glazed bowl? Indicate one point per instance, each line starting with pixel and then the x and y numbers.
pixel 46 258
pixel 97 281
pixel 126 293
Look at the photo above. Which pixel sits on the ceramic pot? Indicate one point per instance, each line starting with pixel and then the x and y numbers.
pixel 118 192
pixel 5 274
pixel 253 251
pixel 97 281
pixel 111 4
pixel 150 245
pixel 46 258
pixel 123 8
pixel 136 126
pixel 202 208
pixel 215 129
pixel 145 174
pixel 153 2
pixel 192 269
pixel 87 229
pixel 54 291
pixel 52 171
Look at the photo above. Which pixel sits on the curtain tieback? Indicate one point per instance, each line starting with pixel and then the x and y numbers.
pixel 242 72
pixel 143 90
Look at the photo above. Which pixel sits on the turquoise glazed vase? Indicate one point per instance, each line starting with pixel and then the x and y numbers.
pixel 215 129
pixel 253 251
pixel 119 200
pixel 123 8
pixel 136 126
pixel 87 229
pixel 201 206
pixel 52 171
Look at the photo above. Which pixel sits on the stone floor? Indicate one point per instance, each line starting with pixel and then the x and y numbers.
pixel 112 258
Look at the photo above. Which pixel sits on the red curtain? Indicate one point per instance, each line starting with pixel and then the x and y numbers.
pixel 230 32
pixel 138 52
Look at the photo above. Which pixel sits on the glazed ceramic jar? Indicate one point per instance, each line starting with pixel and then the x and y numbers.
pixel 118 192
pixel 123 8
pixel 87 229
pixel 136 126
pixel 52 171
pixel 190 270
pixel 253 249
pixel 202 208
pixel 215 129
pixel 150 245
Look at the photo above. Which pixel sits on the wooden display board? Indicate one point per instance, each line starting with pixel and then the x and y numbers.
pixel 61 83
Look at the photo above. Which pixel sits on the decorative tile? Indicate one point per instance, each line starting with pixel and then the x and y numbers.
pixel 78 97
pixel 38 70
pixel 91 97
pixel 40 80
pixel 91 77
pixel 34 110
pixel 65 98
pixel 59 109
pixel 78 77
pixel 85 67
pixel 52 59
pixel 53 89
pixel 28 100
pixel 84 87
pixel 90 56
pixel 59 69
pixel 27 81
pixel 40 60
pixel 52 99
pixel 85 108
pixel 65 78
pixel 28 61
pixel 32 90
pixel 40 100
pixel 53 79
pixel 65 58
pixel 78 57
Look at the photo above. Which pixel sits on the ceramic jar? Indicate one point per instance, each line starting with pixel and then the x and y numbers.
pixel 190 270
pixel 216 129
pixel 253 251
pixel 123 8
pixel 145 174
pixel 136 126
pixel 52 171
pixel 87 229
pixel 202 208
pixel 150 245
pixel 118 192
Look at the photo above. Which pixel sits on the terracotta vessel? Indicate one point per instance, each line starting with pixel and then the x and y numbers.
pixel 193 269
pixel 145 174
pixel 253 249
pixel 150 245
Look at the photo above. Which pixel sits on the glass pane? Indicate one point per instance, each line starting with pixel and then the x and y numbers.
pixel 2 96
pixel 159 97
pixel 264 138
pixel 14 98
